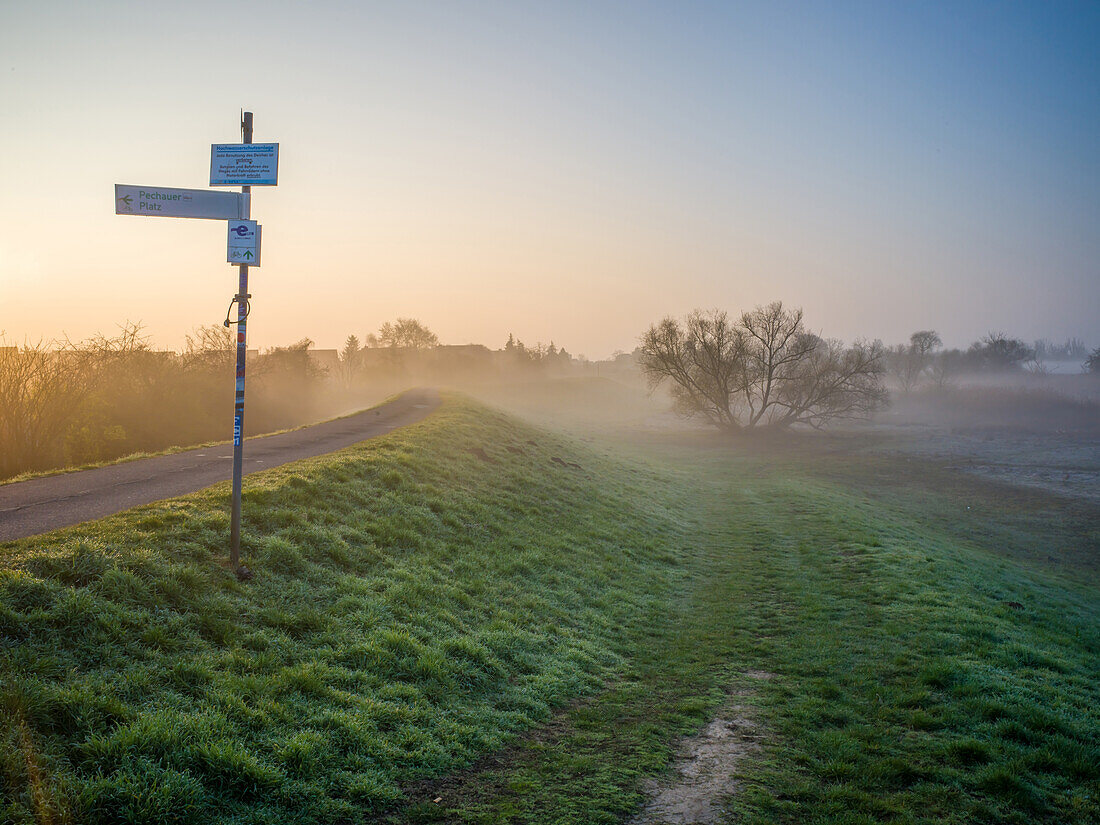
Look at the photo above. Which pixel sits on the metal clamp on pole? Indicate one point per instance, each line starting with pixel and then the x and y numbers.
pixel 236 300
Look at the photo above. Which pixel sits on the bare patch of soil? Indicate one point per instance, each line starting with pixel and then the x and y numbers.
pixel 706 767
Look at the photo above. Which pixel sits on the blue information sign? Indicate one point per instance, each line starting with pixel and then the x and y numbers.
pixel 244 164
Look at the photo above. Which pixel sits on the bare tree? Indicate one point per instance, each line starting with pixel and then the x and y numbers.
pixel 210 348
pixel 833 382
pixel 997 352
pixel 704 361
pixel 924 342
pixel 43 388
pixel 1036 366
pixel 945 366
pixel 1073 349
pixel 776 344
pixel 39 388
pixel 765 369
pixel 1092 363
pixel 290 365
pixel 407 332
pixel 909 364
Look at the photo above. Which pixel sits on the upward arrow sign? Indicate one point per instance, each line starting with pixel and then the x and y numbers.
pixel 243 243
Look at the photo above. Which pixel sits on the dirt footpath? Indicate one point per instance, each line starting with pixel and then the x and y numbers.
pixel 706 767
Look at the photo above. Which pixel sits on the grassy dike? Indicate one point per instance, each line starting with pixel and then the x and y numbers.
pixel 524 641
pixel 414 607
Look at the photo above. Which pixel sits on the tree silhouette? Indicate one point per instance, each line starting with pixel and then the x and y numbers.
pixel 764 369
pixel 407 332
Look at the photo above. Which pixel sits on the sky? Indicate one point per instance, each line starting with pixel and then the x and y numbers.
pixel 564 171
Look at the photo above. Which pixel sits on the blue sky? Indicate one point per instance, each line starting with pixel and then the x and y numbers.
pixel 566 171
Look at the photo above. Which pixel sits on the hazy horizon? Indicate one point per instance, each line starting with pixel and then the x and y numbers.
pixel 565 172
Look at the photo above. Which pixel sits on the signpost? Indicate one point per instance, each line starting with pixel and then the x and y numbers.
pixel 165 202
pixel 244 164
pixel 231 164
pixel 244 243
pixel 241 298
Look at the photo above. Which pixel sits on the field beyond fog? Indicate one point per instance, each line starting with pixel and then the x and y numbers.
pixel 483 619
pixel 65 405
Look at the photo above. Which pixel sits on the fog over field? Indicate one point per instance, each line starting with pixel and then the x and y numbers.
pixel 621 413
pixel 77 403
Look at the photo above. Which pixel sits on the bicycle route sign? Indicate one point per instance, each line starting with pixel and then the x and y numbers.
pixel 244 243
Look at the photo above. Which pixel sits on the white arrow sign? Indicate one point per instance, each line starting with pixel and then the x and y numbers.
pixel 244 243
pixel 163 202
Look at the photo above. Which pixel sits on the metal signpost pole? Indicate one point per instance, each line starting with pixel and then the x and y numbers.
pixel 245 165
pixel 242 352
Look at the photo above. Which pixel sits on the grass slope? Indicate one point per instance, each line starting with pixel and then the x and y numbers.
pixel 416 609
pixel 414 606
pixel 919 677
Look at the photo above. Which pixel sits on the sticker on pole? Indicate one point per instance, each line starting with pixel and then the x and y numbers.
pixel 244 164
pixel 244 243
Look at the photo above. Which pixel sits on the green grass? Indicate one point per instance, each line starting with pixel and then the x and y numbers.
pixel 526 641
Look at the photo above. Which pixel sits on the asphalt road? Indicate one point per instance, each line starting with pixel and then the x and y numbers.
pixel 40 505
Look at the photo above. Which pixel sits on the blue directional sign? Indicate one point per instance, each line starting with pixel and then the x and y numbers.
pixel 244 164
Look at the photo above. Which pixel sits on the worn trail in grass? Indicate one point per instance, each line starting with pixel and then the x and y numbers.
pixel 919 677
pixel 525 641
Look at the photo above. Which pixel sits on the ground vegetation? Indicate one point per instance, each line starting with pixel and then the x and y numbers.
pixel 1092 363
pixel 434 636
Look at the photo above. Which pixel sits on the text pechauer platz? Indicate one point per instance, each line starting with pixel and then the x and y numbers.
pixel 146 199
